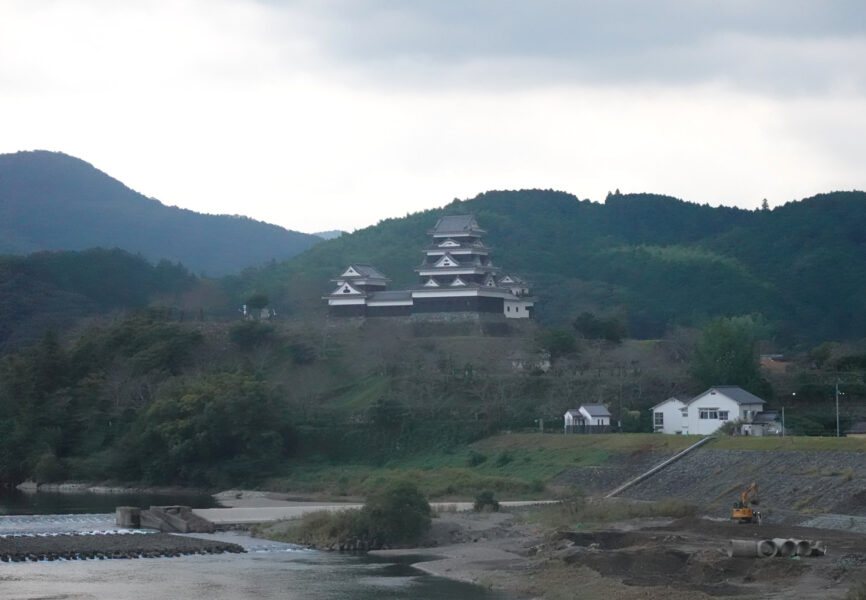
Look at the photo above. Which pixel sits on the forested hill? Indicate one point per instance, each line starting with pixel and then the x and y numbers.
pixel 655 260
pixel 54 290
pixel 51 201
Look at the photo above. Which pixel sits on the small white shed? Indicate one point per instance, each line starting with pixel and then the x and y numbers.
pixel 588 415
pixel 670 416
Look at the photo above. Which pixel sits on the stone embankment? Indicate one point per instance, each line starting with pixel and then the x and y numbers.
pixel 18 548
pixel 793 486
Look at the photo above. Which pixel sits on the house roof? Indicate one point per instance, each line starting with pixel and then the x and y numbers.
pixel 595 410
pixel 456 225
pixel 672 398
pixel 735 393
pixel 763 418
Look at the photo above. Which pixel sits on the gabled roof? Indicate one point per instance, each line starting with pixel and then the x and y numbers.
pixel 456 225
pixel 511 279
pixel 447 258
pixel 595 410
pixel 735 393
pixel 362 271
pixel 672 398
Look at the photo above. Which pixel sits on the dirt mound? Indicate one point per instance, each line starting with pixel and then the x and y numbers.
pixel 604 540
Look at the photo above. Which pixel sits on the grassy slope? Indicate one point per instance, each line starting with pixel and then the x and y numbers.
pixel 533 459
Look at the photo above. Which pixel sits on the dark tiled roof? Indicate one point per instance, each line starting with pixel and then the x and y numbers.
pixel 456 224
pixel 737 394
pixel 596 410
pixel 367 271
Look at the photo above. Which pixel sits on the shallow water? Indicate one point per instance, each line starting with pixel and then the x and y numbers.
pixel 267 570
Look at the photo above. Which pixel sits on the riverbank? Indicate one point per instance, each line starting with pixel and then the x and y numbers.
pixel 647 558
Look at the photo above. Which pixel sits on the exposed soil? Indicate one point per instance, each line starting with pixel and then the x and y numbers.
pixel 690 554
pixel 648 558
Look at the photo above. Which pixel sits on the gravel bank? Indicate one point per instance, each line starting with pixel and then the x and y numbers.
pixel 17 548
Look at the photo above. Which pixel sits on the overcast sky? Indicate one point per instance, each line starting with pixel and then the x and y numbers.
pixel 317 114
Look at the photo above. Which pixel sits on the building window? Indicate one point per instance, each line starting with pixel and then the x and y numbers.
pixel 709 413
pixel 659 419
pixel 723 415
pixel 508 308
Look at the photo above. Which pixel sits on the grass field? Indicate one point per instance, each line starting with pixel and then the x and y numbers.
pixel 516 465
pixel 512 465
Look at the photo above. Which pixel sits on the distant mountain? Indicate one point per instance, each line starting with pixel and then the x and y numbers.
pixel 51 201
pixel 656 260
pixel 329 235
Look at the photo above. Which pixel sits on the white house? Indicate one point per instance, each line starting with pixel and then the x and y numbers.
pixel 706 412
pixel 588 415
pixel 670 415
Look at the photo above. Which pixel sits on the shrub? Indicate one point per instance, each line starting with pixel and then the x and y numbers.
pixel 486 501
pixel 503 458
pixel 399 514
pixel 476 458
pixel 48 468
pixel 247 335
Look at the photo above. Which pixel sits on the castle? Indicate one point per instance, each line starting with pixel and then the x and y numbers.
pixel 456 275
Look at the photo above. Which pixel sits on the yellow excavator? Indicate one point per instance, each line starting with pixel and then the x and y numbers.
pixel 743 512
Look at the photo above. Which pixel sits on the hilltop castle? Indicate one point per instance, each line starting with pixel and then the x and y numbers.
pixel 456 275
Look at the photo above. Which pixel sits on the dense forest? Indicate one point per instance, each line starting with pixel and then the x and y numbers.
pixel 113 367
pixel 654 261
pixel 151 398
pixel 51 201
pixel 55 290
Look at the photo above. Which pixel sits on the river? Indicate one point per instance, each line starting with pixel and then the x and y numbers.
pixel 267 570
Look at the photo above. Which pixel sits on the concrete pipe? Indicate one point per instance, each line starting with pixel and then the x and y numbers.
pixel 767 548
pixel 752 548
pixel 802 548
pixel 784 547
pixel 818 549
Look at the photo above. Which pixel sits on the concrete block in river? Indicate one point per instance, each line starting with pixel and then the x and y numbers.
pixel 127 516
pixel 179 519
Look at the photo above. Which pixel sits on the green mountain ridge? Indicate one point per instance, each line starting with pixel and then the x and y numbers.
pixel 659 261
pixel 52 201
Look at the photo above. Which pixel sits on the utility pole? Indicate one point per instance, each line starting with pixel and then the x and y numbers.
pixel 783 421
pixel 837 407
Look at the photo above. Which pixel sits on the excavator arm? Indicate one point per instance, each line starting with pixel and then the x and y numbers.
pixel 742 511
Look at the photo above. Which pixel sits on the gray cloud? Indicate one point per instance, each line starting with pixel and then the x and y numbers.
pixel 775 45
